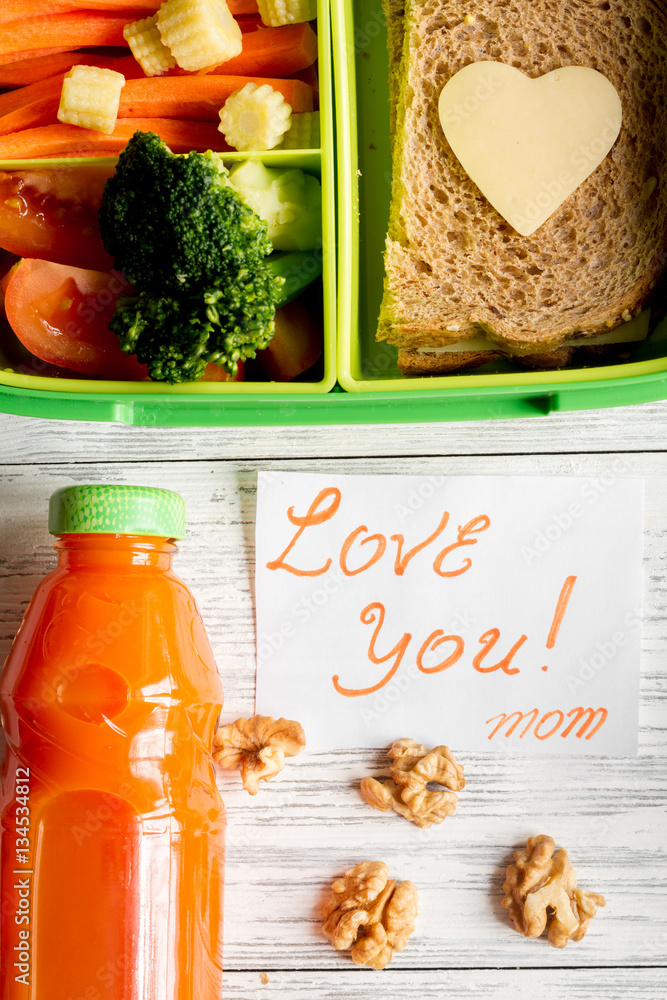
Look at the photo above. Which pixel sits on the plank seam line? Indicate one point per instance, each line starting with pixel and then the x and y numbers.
pixel 143 460
pixel 456 968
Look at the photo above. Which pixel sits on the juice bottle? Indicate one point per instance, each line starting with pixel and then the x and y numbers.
pixel 112 829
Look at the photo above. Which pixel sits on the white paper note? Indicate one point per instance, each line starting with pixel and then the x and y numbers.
pixel 486 613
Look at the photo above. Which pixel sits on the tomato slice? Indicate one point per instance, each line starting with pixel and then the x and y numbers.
pixel 52 214
pixel 61 315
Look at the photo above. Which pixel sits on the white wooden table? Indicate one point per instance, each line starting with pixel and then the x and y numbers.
pixel 285 845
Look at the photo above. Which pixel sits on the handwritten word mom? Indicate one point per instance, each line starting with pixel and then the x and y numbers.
pixel 353 558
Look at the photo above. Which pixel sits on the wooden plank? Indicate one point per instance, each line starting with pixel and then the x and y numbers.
pixel 633 428
pixel 287 844
pixel 278 872
pixel 523 984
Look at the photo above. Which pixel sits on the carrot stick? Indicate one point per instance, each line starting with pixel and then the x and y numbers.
pixel 179 97
pixel 31 106
pixel 15 9
pixel 14 100
pixel 25 72
pixel 69 30
pixel 11 57
pixel 199 97
pixel 273 52
pixel 70 140
pixel 23 97
pixel 42 111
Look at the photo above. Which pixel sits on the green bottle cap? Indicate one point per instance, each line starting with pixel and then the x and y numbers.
pixel 117 510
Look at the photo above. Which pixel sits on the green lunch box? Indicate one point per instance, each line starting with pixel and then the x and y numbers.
pixel 358 381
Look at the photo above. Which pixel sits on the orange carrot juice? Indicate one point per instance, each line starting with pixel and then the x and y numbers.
pixel 112 829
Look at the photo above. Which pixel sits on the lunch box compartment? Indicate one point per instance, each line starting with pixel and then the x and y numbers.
pixel 365 365
pixel 24 390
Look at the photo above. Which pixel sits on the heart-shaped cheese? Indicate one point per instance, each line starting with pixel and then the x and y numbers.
pixel 528 144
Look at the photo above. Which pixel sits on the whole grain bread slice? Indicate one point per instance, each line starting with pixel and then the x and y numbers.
pixel 454 268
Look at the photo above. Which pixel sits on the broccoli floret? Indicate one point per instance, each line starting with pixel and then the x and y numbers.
pixel 226 322
pixel 173 221
pixel 196 253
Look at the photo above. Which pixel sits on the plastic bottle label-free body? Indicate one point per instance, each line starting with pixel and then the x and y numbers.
pixel 112 829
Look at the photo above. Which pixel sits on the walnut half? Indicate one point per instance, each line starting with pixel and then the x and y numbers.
pixel 257 747
pixel 370 913
pixel 407 792
pixel 542 880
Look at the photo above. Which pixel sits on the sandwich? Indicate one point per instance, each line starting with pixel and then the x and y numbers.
pixel 463 286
